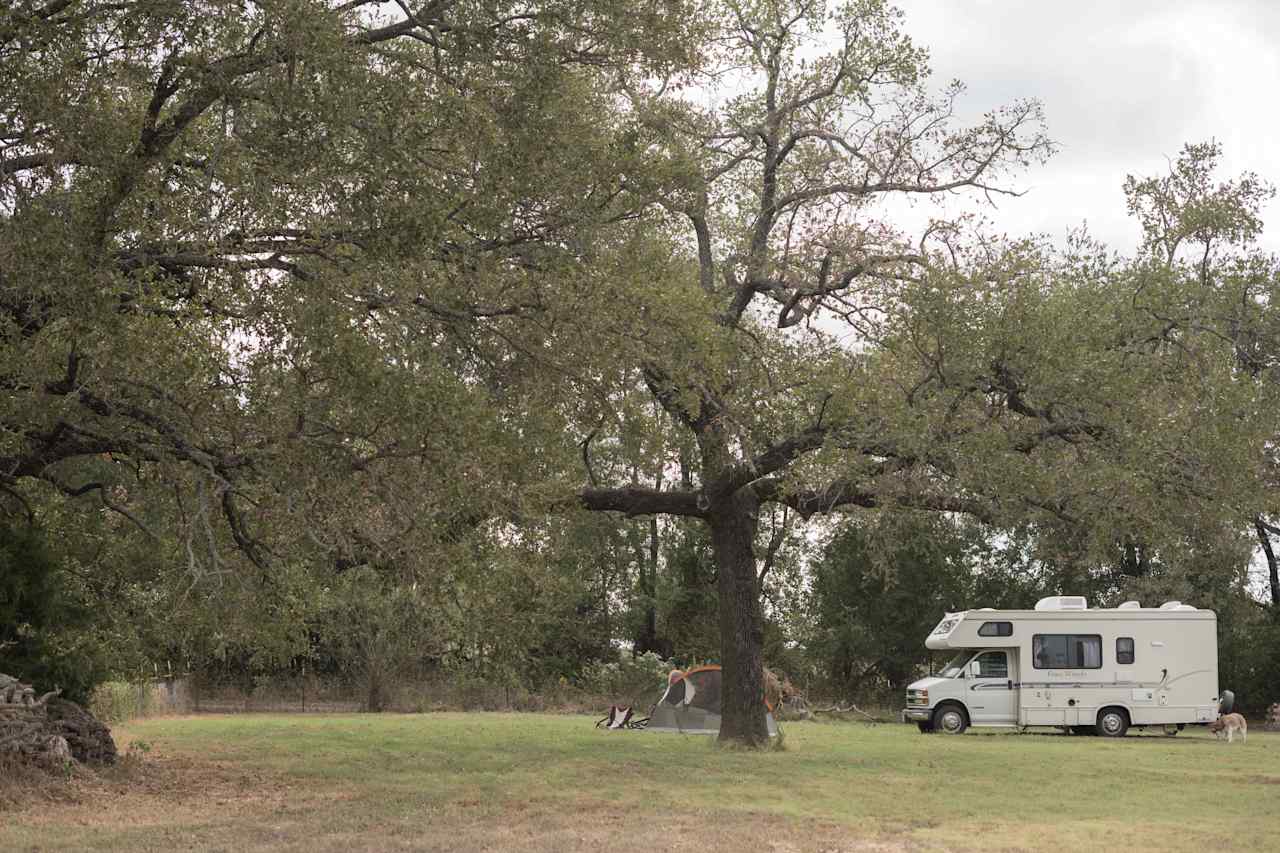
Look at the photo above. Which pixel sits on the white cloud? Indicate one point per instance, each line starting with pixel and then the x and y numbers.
pixel 1124 86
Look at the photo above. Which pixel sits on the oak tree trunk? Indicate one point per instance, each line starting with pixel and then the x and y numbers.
pixel 733 529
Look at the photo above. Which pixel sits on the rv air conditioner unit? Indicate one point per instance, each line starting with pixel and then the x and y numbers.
pixel 1063 602
pixel 1130 605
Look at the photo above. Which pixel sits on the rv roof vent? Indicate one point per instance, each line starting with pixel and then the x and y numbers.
pixel 1130 605
pixel 1171 605
pixel 1184 607
pixel 1063 602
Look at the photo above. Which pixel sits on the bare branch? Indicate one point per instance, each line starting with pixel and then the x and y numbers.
pixel 777 535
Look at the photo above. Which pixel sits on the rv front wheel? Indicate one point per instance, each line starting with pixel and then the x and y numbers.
pixel 950 720
pixel 1113 722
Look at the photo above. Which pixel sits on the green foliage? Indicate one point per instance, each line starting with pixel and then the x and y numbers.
pixel 1248 652
pixel 880 586
pixel 1188 207
pixel 47 638
pixel 121 701
pixel 266 277
pixel 379 631
pixel 687 599
pixel 636 681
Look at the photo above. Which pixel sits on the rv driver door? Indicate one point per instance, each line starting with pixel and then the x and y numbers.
pixel 993 691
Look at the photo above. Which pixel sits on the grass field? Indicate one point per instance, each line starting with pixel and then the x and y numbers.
pixel 528 782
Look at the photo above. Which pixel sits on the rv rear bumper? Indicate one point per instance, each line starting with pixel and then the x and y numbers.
pixel 918 715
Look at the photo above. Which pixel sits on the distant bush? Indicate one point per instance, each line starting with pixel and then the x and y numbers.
pixel 121 701
pixel 117 701
pixel 629 680
pixel 46 636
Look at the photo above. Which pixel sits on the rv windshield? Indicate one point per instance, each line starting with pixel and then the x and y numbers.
pixel 955 666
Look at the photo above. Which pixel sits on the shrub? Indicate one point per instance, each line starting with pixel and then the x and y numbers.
pixel 44 633
pixel 629 680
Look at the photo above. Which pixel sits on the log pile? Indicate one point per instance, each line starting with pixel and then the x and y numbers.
pixel 90 741
pixel 841 711
pixel 24 724
pixel 46 730
pixel 793 707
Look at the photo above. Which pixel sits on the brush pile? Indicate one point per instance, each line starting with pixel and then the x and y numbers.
pixel 46 730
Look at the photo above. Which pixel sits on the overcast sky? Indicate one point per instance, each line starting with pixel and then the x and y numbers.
pixel 1124 84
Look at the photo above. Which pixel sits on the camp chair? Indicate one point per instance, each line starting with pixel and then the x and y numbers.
pixel 621 717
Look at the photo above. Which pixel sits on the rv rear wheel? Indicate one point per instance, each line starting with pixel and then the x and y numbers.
pixel 1113 722
pixel 950 720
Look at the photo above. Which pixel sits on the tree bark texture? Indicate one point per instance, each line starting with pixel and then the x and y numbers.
pixel 733 528
pixel 1264 537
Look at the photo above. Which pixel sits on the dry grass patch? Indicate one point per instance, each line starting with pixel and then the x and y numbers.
pixel 22 784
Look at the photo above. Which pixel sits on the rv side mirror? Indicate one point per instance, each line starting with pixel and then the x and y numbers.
pixel 975 669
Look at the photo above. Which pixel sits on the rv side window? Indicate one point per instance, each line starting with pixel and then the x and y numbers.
pixel 996 629
pixel 1124 649
pixel 1066 651
pixel 992 665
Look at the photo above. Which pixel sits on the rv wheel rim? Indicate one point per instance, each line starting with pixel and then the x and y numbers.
pixel 952 721
pixel 1111 723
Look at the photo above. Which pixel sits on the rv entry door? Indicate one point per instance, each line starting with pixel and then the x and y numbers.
pixel 993 690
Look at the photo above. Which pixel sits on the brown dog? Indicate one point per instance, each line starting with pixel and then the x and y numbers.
pixel 1230 723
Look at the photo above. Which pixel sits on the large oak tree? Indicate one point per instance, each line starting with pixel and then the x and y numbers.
pixel 781 186
pixel 818 358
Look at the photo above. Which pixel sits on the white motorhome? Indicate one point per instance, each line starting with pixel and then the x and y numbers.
pixel 1067 666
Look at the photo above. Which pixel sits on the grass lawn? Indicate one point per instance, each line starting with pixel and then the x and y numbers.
pixel 528 782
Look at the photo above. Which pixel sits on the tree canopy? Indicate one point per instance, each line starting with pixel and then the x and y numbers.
pixel 259 262
pixel 392 293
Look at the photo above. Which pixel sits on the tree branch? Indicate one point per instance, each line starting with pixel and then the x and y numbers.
pixel 776 537
pixel 639 500
pixel 844 493
pixel 26 162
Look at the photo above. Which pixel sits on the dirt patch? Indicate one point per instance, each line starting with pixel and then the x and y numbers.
pixel 138 791
pixel 23 784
